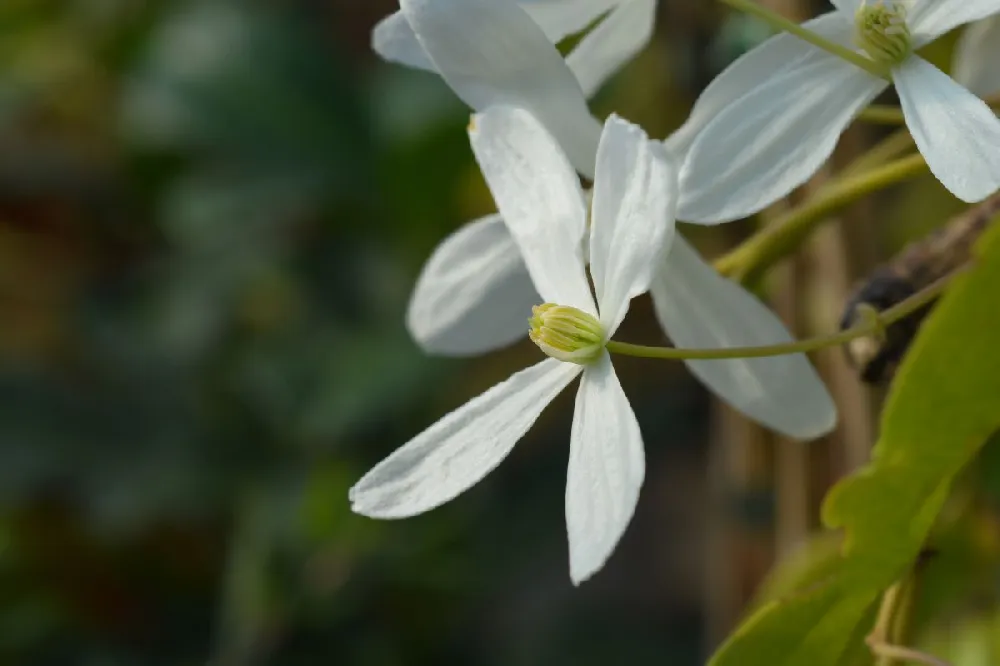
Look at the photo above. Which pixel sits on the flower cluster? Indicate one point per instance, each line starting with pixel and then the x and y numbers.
pixel 570 261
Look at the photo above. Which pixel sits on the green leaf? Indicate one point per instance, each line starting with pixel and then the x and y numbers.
pixel 944 405
pixel 814 563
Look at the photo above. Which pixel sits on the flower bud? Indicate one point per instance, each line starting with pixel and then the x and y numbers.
pixel 566 333
pixel 881 30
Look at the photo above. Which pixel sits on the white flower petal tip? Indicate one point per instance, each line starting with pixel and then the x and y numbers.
pixel 632 216
pixel 394 41
pixel 474 294
pixel 460 449
pixel 957 133
pixel 606 470
pixel 699 308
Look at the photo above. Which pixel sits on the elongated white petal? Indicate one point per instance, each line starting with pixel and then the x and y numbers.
pixel 956 132
pixel 393 39
pixel 609 46
pixel 606 468
pixel 474 294
pixel 977 57
pixel 562 18
pixel 540 199
pixel 929 19
pixel 456 452
pixel 635 193
pixel 772 139
pixel 698 308
pixel 491 53
pixel 752 69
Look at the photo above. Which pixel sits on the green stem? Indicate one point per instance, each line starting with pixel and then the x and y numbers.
pixel 748 261
pixel 889 636
pixel 869 327
pixel 880 114
pixel 781 23
pixel 889 148
pixel 890 654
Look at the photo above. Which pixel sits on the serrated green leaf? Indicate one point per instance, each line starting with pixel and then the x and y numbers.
pixel 944 405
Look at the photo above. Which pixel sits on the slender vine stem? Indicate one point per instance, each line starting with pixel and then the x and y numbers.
pixel 905 654
pixel 871 326
pixel 781 23
pixel 889 148
pixel 892 626
pixel 881 114
pixel 748 261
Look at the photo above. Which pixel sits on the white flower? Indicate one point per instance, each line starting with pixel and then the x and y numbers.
pixel 794 101
pixel 977 57
pixel 539 196
pixel 473 289
pixel 501 52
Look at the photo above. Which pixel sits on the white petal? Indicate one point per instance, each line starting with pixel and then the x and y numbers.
pixel 698 308
pixel 956 132
pixel 474 294
pixel 635 193
pixel 772 139
pixel 561 18
pixel 609 46
pixel 606 468
pixel 393 39
pixel 777 54
pixel 929 19
pixel 540 199
pixel 977 56
pixel 456 452
pixel 491 52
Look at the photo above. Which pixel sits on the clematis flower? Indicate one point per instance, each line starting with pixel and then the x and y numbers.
pixel 977 55
pixel 793 100
pixel 539 195
pixel 470 293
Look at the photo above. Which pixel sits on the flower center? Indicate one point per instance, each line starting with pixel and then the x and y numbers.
pixel 566 333
pixel 881 30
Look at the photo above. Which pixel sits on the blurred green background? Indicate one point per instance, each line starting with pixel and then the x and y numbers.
pixel 211 215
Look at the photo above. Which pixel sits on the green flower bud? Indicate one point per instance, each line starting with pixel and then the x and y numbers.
pixel 566 333
pixel 881 30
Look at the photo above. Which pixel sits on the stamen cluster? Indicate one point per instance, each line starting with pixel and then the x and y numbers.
pixel 566 333
pixel 881 30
